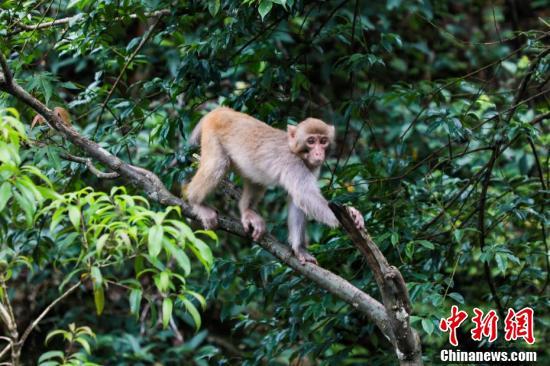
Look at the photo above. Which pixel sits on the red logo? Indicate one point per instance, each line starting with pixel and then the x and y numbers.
pixel 451 323
pixel 486 326
pixel 519 325
pixel 516 325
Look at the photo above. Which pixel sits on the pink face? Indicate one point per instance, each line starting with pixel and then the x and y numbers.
pixel 310 141
pixel 316 149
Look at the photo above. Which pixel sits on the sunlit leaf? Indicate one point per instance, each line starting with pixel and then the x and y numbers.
pixel 167 305
pixel 135 300
pixel 156 232
pixel 192 310
pixel 179 255
pixel 5 194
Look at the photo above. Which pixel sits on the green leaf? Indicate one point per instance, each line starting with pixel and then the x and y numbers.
pixel 5 194
pixel 428 326
pixel 135 300
pixel 202 251
pixel 502 262
pixel 392 4
pixel 97 278
pixel 99 299
pixel 84 343
pixel 155 240
pixel 199 297
pixel 100 243
pixel 394 238
pixel 99 296
pixel 426 244
pixel 46 89
pixel 167 306
pixel 192 310
pixel 35 171
pixel 54 333
pixel 56 218
pixel 409 249
pixel 49 363
pixel 26 206
pixel 458 235
pixel 214 7
pixel 74 216
pixel 457 297
pixel 49 355
pixel 211 234
pixel 265 8
pixel 179 255
pixel 163 281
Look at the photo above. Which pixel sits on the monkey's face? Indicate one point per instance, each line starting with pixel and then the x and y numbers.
pixel 315 148
pixel 310 140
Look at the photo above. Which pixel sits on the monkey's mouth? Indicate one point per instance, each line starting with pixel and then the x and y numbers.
pixel 315 163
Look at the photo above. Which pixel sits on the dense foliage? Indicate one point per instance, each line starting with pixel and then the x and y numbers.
pixel 441 110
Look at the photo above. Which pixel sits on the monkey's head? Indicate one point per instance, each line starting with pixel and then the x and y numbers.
pixel 310 140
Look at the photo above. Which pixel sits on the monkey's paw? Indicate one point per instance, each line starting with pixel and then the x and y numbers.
pixel 357 218
pixel 252 219
pixel 209 218
pixel 304 256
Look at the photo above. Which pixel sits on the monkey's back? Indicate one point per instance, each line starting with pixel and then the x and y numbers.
pixel 256 150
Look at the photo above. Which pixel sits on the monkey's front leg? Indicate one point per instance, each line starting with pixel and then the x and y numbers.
pixel 297 234
pixel 249 218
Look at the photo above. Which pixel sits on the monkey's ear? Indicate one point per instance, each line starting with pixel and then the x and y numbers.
pixel 291 131
pixel 332 132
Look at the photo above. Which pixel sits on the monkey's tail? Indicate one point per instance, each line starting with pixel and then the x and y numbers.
pixel 195 139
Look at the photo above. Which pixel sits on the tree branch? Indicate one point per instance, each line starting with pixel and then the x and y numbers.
pixel 6 314
pixel 393 289
pixel 45 312
pixel 98 173
pixel 58 22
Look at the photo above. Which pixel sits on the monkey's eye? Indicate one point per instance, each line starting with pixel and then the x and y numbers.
pixel 311 140
pixel 324 141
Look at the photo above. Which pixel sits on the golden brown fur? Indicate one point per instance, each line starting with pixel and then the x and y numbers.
pixel 264 156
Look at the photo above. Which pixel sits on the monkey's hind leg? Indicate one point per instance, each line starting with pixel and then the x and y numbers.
pixel 212 168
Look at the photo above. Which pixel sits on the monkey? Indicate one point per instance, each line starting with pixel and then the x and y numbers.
pixel 264 156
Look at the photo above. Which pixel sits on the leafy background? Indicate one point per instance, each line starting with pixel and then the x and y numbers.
pixel 440 145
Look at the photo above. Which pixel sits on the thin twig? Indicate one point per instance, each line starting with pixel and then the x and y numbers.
pixel 98 173
pixel 5 350
pixel 144 40
pixel 54 23
pixel 45 312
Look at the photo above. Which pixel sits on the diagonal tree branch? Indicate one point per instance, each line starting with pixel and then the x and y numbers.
pixel 20 27
pixel 393 289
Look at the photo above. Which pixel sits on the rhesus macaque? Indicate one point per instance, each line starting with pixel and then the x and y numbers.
pixel 265 156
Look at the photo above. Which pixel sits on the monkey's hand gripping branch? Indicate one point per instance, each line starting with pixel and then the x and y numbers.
pixel 384 318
